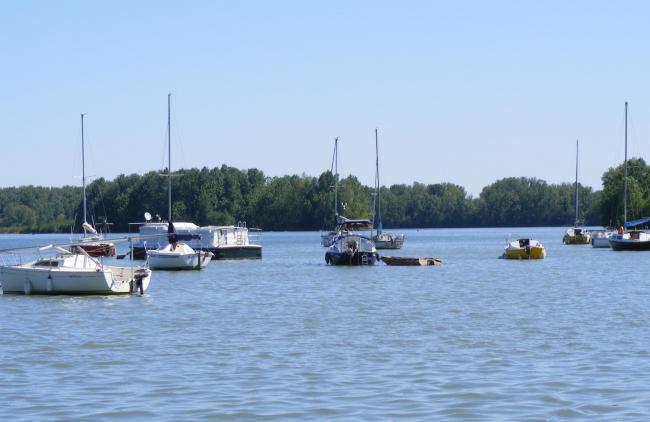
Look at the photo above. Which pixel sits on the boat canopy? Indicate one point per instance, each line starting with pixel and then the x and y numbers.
pixel 640 221
pixel 346 223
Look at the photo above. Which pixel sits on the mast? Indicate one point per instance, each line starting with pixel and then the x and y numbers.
pixel 379 228
pixel 625 188
pixel 575 224
pixel 83 166
pixel 336 178
pixel 169 158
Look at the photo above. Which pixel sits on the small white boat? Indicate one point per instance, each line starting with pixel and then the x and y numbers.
pixel 178 256
pixel 600 238
pixel 72 273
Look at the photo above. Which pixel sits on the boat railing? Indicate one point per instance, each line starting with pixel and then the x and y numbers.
pixel 9 259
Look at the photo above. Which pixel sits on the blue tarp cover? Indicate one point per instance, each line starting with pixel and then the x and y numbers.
pixel 638 222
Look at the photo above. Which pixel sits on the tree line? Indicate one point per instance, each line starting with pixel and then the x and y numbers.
pixel 226 195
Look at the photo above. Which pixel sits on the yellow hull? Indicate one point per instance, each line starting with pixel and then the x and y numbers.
pixel 535 252
pixel 577 240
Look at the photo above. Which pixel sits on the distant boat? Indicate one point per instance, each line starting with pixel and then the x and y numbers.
pixel 351 247
pixel 224 242
pixel 176 255
pixel 327 236
pixel 600 238
pixel 634 240
pixel 383 240
pixel 91 241
pixel 576 235
pixel 72 273
pixel 524 249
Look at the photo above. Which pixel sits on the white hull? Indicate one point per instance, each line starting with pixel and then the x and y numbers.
pixel 178 261
pixel 600 241
pixel 111 280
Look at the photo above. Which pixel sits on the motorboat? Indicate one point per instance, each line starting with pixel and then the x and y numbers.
pixel 382 239
pixel 600 238
pixel 524 249
pixel 576 235
pixel 72 273
pixel 91 241
pixel 353 247
pixel 177 255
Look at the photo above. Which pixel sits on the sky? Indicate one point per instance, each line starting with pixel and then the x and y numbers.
pixel 466 92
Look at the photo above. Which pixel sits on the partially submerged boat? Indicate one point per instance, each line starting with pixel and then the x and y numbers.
pixel 72 273
pixel 406 261
pixel 353 247
pixel 524 249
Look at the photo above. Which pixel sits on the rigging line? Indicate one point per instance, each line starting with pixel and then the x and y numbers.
pixel 179 141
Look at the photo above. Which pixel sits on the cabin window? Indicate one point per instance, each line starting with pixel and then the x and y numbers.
pixel 46 263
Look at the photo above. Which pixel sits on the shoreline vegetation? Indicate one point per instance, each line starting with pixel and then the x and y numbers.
pixel 226 195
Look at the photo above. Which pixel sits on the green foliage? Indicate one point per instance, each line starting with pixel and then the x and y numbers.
pixel 227 195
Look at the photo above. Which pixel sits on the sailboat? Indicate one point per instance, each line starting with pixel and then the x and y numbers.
pixel 91 242
pixel 576 235
pixel 633 240
pixel 175 255
pixel 383 240
pixel 327 236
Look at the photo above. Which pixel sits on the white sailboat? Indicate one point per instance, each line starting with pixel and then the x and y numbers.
pixel 175 255
pixel 327 236
pixel 383 240
pixel 72 273
pixel 92 242
pixel 576 235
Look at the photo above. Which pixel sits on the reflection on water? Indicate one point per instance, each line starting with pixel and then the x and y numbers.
pixel 288 337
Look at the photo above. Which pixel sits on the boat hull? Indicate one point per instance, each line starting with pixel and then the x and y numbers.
pixel 222 252
pixel 113 280
pixel 629 245
pixel 576 240
pixel 96 250
pixel 351 258
pixel 174 261
pixel 600 242
pixel 389 242
pixel 406 261
pixel 534 252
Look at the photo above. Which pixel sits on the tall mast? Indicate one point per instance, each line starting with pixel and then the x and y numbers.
pixel 577 204
pixel 379 228
pixel 625 188
pixel 83 166
pixel 336 177
pixel 169 157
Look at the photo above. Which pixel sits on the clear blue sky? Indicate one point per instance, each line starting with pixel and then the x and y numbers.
pixel 462 92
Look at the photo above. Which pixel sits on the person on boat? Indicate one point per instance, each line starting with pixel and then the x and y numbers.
pixel 621 230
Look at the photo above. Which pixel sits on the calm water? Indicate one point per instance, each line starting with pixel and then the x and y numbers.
pixel 288 337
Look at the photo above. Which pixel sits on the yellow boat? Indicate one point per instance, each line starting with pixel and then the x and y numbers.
pixel 576 236
pixel 524 249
